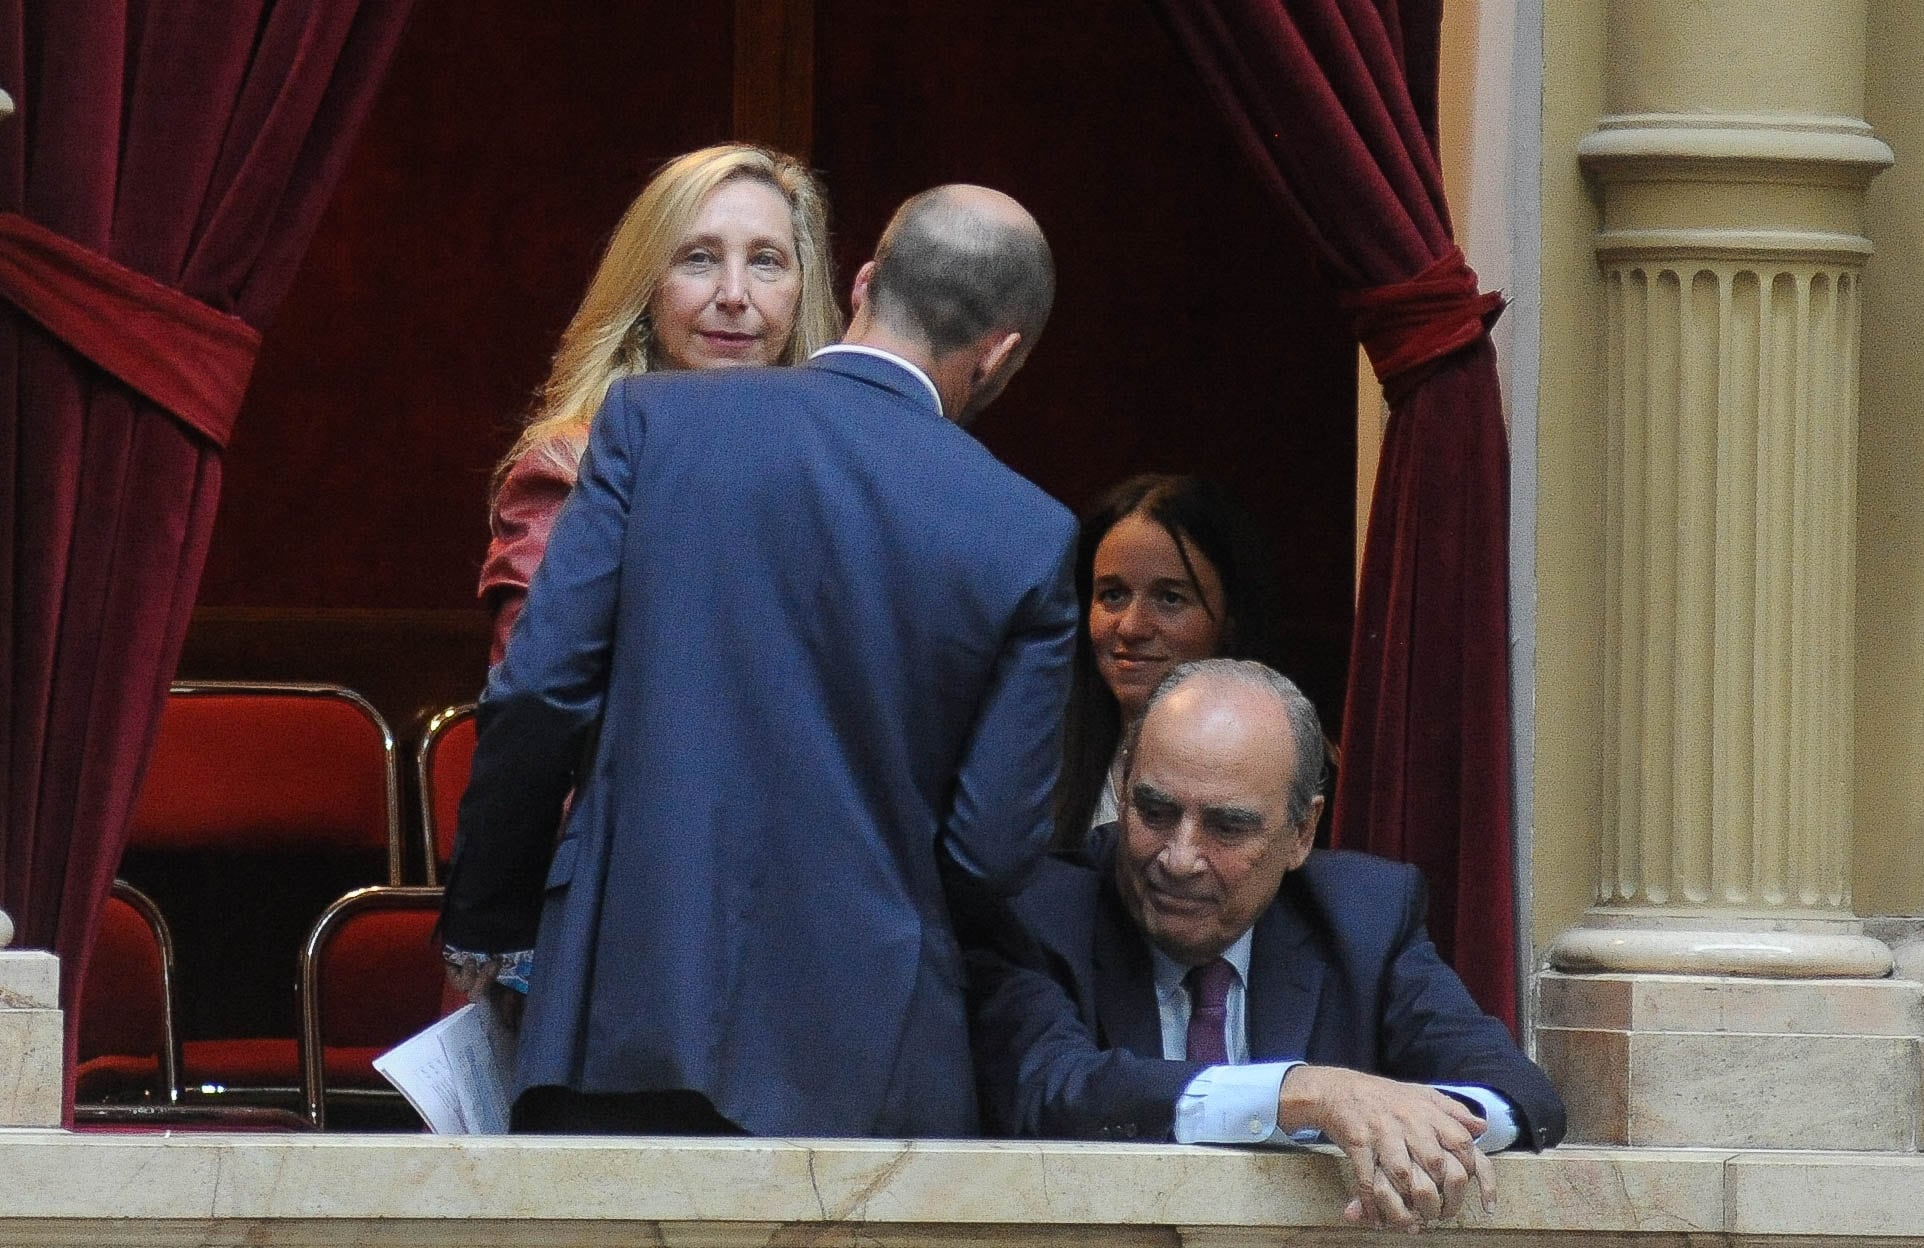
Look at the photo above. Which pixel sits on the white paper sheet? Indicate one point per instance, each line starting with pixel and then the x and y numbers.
pixel 458 1074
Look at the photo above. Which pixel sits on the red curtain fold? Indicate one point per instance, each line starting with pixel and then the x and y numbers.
pixel 192 361
pixel 1406 326
pixel 193 144
pixel 1318 94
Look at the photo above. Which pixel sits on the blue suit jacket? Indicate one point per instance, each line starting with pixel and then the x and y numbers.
pixel 800 646
pixel 1341 972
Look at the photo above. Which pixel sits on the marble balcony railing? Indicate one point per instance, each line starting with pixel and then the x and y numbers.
pixel 162 1191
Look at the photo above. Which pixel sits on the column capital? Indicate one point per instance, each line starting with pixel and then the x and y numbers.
pixel 1743 187
pixel 1721 147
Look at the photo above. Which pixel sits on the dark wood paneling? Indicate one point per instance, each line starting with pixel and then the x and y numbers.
pixel 1191 331
pixel 507 140
pixel 775 74
pixel 409 663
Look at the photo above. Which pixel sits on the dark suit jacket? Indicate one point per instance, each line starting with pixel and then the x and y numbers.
pixel 801 646
pixel 1341 972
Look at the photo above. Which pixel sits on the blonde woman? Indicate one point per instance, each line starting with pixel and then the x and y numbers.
pixel 721 261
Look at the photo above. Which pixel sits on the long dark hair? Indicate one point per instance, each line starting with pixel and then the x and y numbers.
pixel 1201 517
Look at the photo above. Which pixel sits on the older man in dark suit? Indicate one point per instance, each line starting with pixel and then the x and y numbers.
pixel 800 648
pixel 1203 974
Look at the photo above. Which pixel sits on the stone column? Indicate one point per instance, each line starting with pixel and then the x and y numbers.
pixel 1732 169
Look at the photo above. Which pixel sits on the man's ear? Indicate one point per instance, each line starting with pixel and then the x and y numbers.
pixel 858 293
pixel 1304 838
pixel 999 353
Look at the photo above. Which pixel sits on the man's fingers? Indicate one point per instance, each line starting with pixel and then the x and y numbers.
pixel 1466 1117
pixel 1362 1160
pixel 1469 1120
pixel 1486 1181
pixel 1416 1179
pixel 506 1004
pixel 1453 1184
pixel 1365 1177
pixel 471 979
pixel 1388 1204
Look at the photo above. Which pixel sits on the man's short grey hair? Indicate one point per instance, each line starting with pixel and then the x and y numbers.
pixel 1310 771
pixel 950 273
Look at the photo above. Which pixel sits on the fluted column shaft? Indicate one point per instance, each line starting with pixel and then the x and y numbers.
pixel 1731 245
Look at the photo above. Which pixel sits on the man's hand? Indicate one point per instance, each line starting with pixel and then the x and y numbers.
pixel 476 981
pixel 1413 1148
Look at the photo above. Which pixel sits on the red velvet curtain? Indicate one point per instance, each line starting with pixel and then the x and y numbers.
pixel 167 164
pixel 1319 93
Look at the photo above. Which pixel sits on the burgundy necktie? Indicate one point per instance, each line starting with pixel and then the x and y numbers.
pixel 1209 1011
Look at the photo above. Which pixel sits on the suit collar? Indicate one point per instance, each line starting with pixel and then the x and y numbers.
pixel 880 368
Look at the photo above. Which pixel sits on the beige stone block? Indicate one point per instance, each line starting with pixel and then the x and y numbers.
pixel 1847 1007
pixel 1583 1000
pixel 1842 1007
pixel 1826 1092
pixel 29 980
pixel 31 1051
pixel 1847 1197
pixel 1591 1069
pixel 1736 1091
pixel 1675 1060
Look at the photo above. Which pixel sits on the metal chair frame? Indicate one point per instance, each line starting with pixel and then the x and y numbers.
pixel 313 1051
pixel 438 727
pixel 169 1088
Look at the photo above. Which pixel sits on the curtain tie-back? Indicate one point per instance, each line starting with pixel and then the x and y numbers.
pixel 162 342
pixel 1406 326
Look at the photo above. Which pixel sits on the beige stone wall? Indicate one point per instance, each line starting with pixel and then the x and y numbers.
pixel 1889 841
pixel 1569 741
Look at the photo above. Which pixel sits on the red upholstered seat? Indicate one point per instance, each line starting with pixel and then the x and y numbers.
pixel 260 803
pixel 253 768
pixel 125 1007
pixel 371 976
pixel 445 757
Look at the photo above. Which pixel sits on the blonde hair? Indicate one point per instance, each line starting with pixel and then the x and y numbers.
pixel 611 337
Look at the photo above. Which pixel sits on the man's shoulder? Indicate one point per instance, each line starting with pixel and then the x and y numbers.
pixel 1059 901
pixel 1062 876
pixel 1359 899
pixel 1348 868
pixel 703 386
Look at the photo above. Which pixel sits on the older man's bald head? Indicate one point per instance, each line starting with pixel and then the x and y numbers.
pixel 958 262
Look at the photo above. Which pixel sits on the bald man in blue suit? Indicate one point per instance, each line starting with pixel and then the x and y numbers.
pixel 800 648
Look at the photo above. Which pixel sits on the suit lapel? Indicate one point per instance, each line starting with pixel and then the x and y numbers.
pixel 1125 979
pixel 1285 984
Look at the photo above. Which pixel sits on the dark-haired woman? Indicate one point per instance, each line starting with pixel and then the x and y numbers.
pixel 1168 569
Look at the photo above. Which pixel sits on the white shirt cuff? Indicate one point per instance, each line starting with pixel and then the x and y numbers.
pixel 1235 1105
pixel 1498 1114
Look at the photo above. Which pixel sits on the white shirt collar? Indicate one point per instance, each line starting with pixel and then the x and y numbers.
pixel 861 349
pixel 1170 973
